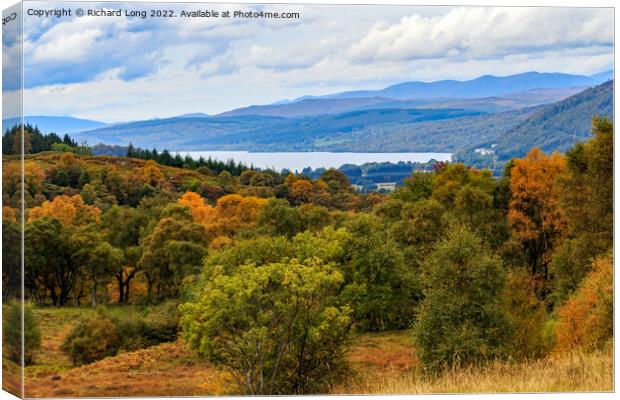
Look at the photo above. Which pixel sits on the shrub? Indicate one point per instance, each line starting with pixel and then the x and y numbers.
pixel 586 319
pixel 11 331
pixel 92 339
pixel 161 324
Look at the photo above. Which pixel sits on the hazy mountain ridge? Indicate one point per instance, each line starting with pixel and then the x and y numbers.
pixel 59 125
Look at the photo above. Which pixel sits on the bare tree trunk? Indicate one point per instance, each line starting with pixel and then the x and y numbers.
pixel 94 293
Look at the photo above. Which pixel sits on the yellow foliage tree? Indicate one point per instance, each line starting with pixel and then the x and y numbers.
pixel 69 210
pixel 152 174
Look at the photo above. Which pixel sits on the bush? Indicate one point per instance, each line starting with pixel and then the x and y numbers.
pixel 161 324
pixel 92 339
pixel 11 331
pixel 586 319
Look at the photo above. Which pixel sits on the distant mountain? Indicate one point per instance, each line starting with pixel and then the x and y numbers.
pixel 307 107
pixel 193 115
pixel 321 106
pixel 59 125
pixel 484 86
pixel 558 126
pixel 603 76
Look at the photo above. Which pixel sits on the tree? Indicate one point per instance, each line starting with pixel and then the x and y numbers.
pixel 380 287
pixel 172 251
pixel 48 259
pixel 11 259
pixel 279 328
pixel 70 210
pixel 98 258
pixel 587 201
pixel 280 217
pixel 462 319
pixel 535 213
pixel 418 186
pixel 586 319
pixel 123 230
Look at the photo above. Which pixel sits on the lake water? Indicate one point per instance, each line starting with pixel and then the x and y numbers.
pixel 296 161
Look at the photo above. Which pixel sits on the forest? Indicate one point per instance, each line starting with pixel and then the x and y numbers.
pixel 274 283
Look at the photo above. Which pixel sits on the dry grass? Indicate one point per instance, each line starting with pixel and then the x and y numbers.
pixel 11 377
pixel 574 372
pixel 164 370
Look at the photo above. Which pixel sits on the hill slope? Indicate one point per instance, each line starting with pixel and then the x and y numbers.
pixel 558 126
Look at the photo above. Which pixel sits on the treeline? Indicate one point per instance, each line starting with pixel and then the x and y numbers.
pixel 178 161
pixel 275 272
pixel 35 141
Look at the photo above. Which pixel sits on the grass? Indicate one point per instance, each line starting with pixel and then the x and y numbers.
pixel 574 372
pixel 381 363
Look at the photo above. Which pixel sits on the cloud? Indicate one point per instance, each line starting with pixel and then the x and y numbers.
pixel 117 69
pixel 474 33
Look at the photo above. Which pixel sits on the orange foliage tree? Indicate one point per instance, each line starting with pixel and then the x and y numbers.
pixel 586 319
pixel 69 210
pixel 230 214
pixel 535 212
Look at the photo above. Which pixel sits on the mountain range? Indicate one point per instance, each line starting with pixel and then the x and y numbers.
pixel 512 113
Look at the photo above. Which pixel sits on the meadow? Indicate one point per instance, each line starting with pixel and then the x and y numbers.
pixel 381 363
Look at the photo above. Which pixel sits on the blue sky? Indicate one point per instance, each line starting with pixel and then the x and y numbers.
pixel 119 69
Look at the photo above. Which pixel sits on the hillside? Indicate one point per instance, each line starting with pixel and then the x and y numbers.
pixel 559 126
pixel 339 132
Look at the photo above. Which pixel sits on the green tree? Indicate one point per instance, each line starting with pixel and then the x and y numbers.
pixel 380 286
pixel 98 258
pixel 462 319
pixel 587 199
pixel 48 259
pixel 279 217
pixel 279 328
pixel 174 249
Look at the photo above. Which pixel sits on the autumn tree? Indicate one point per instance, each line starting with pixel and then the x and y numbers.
pixel 230 214
pixel 535 211
pixel 70 210
pixel 586 319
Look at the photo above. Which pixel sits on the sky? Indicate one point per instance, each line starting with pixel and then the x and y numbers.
pixel 115 69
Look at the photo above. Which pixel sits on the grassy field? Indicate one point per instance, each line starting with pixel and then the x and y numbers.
pixel 381 363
